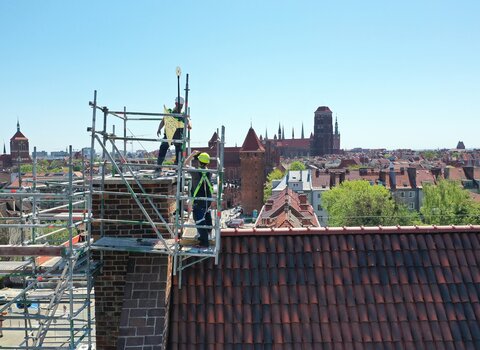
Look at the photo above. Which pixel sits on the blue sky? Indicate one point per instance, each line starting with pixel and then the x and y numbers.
pixel 397 74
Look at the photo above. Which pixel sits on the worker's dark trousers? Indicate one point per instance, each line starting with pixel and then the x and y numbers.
pixel 202 216
pixel 165 145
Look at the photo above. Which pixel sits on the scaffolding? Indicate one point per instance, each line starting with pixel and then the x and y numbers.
pixel 177 238
pixel 53 305
pixel 50 304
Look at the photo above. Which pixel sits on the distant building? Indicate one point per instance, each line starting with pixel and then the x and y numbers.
pixel 252 173
pixel 322 142
pixel 19 150
pixel 58 154
pixel 287 209
pixel 336 139
pixel 460 145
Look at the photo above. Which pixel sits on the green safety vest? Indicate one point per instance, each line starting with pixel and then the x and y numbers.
pixel 203 179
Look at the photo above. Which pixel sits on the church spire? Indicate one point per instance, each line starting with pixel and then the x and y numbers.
pixel 266 134
pixel 4 149
pixel 293 133
pixel 283 133
pixel 336 125
pixel 279 131
pixel 18 125
pixel 303 134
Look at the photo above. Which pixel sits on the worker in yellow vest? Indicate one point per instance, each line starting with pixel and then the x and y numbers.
pixel 201 190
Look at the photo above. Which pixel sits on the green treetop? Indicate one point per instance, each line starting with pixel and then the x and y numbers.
pixel 357 203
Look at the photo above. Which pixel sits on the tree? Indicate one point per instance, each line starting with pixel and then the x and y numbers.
pixel 297 165
pixel 275 174
pixel 448 203
pixel 357 203
pixel 26 168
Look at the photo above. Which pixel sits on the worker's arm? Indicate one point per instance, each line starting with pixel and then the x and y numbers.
pixel 190 157
pixel 160 127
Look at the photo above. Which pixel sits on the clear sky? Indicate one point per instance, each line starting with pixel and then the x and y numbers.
pixel 398 74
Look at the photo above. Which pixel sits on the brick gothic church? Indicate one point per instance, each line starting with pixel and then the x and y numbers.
pixel 324 140
pixel 19 150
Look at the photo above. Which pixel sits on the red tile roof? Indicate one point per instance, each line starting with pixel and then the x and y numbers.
pixel 252 143
pixel 333 288
pixel 287 209
pixel 18 136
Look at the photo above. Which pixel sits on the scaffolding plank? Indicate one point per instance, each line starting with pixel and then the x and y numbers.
pixel 146 245
pixel 7 267
pixel 31 250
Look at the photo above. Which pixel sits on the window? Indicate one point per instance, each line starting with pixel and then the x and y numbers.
pixel 319 207
pixel 402 194
pixel 411 194
pixel 411 205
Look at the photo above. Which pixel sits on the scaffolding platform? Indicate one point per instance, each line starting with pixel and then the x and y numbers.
pixel 151 245
pixel 11 267
pixel 140 245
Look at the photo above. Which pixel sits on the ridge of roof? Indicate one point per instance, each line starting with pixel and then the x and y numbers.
pixel 349 230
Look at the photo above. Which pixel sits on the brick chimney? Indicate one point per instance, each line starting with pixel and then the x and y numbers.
pixel 132 289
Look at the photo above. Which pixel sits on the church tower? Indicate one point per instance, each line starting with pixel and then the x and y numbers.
pixel 323 132
pixel 336 138
pixel 252 172
pixel 19 149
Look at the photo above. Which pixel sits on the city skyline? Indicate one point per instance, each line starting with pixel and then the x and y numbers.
pixel 396 75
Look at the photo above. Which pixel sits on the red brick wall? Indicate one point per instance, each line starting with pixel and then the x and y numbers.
pixel 253 180
pixel 118 207
pixel 143 321
pixel 132 289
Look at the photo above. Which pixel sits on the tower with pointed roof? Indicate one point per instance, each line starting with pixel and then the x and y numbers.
pixel 336 138
pixel 322 142
pixel 19 148
pixel 252 172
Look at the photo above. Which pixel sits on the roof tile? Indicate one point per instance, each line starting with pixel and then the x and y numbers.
pixel 319 296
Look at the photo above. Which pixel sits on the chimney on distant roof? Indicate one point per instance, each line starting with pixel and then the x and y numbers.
pixel 446 173
pixel 302 198
pixel 382 176
pixel 412 176
pixel 269 204
pixel 468 170
pixel 332 179
pixel 393 179
pixel 436 172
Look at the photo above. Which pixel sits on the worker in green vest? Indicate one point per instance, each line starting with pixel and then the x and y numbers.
pixel 201 190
